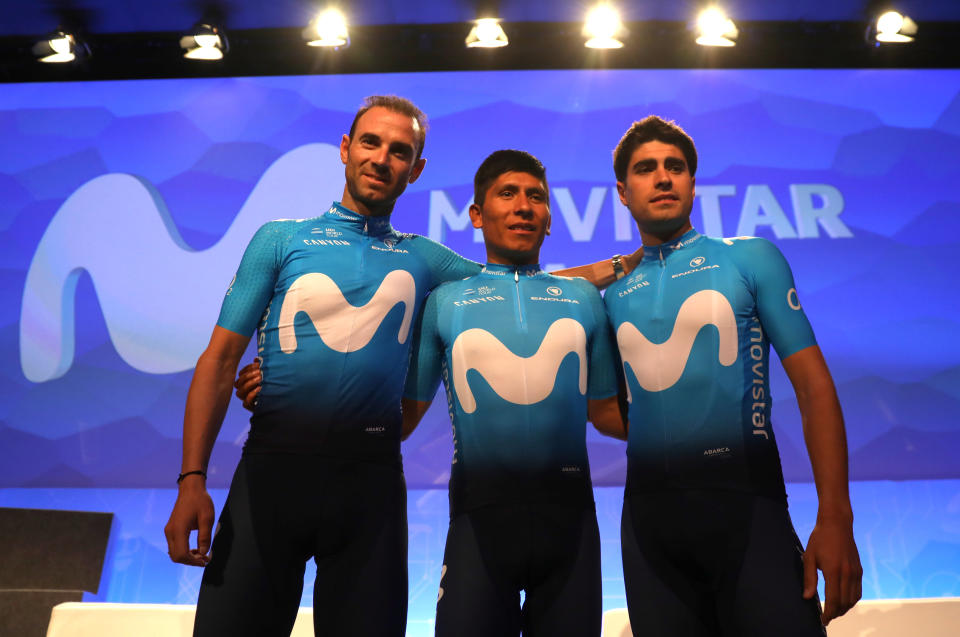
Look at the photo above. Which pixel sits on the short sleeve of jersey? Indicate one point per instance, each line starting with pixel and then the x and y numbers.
pixel 426 355
pixel 602 379
pixel 445 264
pixel 778 306
pixel 253 285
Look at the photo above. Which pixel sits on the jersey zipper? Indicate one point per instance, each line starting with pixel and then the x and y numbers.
pixel 364 244
pixel 520 317
pixel 658 315
pixel 527 434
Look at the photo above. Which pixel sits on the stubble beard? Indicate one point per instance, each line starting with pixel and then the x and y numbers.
pixel 380 205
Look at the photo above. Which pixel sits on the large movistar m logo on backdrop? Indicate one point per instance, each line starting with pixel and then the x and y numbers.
pixel 659 366
pixel 342 326
pixel 517 379
pixel 156 293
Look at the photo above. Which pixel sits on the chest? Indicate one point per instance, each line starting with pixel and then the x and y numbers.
pixel 524 316
pixel 356 267
pixel 682 293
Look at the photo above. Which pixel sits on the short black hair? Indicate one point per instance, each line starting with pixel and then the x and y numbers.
pixel 396 104
pixel 505 161
pixel 652 128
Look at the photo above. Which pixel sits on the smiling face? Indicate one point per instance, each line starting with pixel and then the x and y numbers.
pixel 514 217
pixel 658 190
pixel 380 160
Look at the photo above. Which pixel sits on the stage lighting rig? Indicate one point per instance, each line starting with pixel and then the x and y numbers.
pixel 892 28
pixel 716 29
pixel 60 47
pixel 603 28
pixel 487 33
pixel 328 29
pixel 207 42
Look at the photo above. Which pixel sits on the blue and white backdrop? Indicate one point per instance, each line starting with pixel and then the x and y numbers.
pixel 125 207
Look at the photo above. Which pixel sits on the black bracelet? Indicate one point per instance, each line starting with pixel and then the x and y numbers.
pixel 198 472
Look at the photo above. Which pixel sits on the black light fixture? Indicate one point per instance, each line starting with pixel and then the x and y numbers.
pixel 891 28
pixel 328 29
pixel 60 47
pixel 487 34
pixel 715 28
pixel 206 42
pixel 603 28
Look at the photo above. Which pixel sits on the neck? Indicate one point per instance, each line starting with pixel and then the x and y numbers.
pixel 512 261
pixel 657 237
pixel 367 210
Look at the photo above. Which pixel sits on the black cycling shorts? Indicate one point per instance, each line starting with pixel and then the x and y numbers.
pixel 283 509
pixel 704 563
pixel 550 552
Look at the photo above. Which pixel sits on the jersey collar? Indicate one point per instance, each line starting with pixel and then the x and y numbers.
pixel 499 269
pixel 662 251
pixel 373 226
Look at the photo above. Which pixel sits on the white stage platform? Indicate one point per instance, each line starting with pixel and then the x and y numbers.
pixel 932 617
pixel 928 617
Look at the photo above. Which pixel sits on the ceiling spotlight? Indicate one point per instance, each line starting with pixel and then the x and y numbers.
pixel 894 27
pixel 328 29
pixel 716 29
pixel 602 28
pixel 487 33
pixel 205 43
pixel 60 46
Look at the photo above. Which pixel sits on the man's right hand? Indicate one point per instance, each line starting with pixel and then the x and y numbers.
pixel 248 384
pixel 192 511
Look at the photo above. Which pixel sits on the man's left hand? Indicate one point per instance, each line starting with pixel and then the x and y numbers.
pixel 831 548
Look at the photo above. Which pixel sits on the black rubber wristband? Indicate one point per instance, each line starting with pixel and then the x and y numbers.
pixel 197 472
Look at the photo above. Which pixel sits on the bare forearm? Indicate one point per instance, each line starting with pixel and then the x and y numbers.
pixel 209 396
pixel 823 429
pixel 206 407
pixel 826 441
pixel 602 273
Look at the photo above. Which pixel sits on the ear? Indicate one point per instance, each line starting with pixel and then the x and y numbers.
pixel 693 186
pixel 476 218
pixel 344 148
pixel 549 221
pixel 417 169
pixel 621 189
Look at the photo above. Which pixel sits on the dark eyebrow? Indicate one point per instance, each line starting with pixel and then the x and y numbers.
pixel 645 163
pixel 674 161
pixel 370 137
pixel 401 147
pixel 536 190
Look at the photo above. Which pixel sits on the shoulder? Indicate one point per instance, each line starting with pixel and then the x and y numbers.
pixel 448 289
pixel 274 236
pixel 283 228
pixel 747 253
pixel 578 286
pixel 745 246
pixel 419 242
pixel 428 248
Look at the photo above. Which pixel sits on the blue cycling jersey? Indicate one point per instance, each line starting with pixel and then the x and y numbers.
pixel 520 352
pixel 334 300
pixel 693 323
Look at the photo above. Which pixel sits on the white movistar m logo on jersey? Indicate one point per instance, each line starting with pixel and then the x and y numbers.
pixel 517 379
pixel 342 326
pixel 658 367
